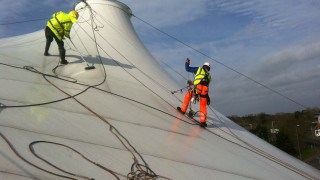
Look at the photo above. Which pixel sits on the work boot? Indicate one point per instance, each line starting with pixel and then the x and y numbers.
pixel 179 109
pixel 46 50
pixel 191 114
pixel 203 124
pixel 63 56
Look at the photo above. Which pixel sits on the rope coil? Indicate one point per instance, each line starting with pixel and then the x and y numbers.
pixel 138 171
pixel 141 172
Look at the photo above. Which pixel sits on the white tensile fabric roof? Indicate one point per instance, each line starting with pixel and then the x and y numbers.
pixel 118 120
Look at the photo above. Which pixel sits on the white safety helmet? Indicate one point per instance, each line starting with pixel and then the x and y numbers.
pixel 206 64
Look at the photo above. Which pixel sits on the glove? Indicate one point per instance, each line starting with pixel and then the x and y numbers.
pixel 188 61
pixel 208 100
pixel 189 82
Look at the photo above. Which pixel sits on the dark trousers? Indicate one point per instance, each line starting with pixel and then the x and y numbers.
pixel 50 36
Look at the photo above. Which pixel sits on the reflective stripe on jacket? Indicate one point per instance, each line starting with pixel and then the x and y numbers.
pixel 202 77
pixel 60 24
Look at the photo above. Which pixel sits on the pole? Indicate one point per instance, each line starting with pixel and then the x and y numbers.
pixel 298 140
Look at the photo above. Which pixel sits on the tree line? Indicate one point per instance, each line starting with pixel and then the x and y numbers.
pixel 291 132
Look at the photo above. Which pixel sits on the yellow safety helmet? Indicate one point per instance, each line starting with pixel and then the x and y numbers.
pixel 73 15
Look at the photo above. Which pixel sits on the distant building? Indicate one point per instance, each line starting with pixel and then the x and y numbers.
pixel 317 121
pixel 317 116
pixel 274 131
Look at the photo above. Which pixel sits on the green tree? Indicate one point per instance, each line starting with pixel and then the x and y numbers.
pixel 284 143
pixel 262 132
pixel 263 118
pixel 297 114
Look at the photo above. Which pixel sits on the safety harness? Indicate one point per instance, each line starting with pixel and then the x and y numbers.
pixel 60 24
pixel 202 77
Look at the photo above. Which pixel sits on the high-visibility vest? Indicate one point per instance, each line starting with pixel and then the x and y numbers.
pixel 60 24
pixel 202 77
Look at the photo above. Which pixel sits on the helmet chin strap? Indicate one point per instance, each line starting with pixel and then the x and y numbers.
pixel 207 68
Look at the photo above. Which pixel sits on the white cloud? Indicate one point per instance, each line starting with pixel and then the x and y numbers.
pixel 266 45
pixel 271 17
pixel 9 9
pixel 287 59
pixel 293 71
pixel 21 10
pixel 277 14
pixel 167 12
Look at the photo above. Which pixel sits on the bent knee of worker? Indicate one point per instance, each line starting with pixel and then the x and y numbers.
pixel 49 41
pixel 49 38
pixel 62 49
pixel 61 45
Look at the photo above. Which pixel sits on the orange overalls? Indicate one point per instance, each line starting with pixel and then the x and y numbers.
pixel 202 91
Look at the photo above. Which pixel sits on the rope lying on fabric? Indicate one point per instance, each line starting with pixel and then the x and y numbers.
pixel 133 164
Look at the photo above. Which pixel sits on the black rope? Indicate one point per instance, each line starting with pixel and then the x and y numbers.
pixel 25 21
pixel 226 66
pixel 173 69
pixel 31 148
pixel 254 148
pixel 32 70
pixel 147 106
pixel 30 163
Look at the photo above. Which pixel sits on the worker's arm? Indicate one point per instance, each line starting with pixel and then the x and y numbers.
pixel 190 69
pixel 67 29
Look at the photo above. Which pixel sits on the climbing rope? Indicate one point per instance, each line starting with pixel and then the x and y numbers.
pixel 141 172
pixel 223 64
pixel 137 170
pixel 189 87
pixel 126 143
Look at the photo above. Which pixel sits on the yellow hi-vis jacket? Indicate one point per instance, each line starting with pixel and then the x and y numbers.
pixel 60 24
pixel 202 77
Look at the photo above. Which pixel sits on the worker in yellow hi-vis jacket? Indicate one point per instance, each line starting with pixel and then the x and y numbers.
pixel 201 83
pixel 57 28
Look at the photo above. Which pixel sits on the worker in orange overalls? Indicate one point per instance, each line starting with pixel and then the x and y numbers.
pixel 201 88
pixel 58 27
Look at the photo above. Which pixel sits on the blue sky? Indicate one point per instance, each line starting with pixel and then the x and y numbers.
pixel 277 43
